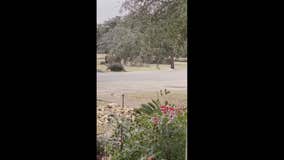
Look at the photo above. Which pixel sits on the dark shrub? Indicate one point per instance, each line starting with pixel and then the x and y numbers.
pixel 117 67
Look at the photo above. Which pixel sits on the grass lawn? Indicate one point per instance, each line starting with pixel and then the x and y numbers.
pixel 178 97
pixel 175 97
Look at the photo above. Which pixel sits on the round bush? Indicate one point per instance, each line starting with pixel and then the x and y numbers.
pixel 116 67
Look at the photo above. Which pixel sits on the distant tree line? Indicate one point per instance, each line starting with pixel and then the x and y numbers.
pixel 153 30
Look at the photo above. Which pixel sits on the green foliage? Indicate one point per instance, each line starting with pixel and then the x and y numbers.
pixel 165 22
pixel 151 27
pixel 101 145
pixel 142 138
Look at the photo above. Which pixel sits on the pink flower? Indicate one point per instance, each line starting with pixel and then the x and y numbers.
pixel 172 115
pixel 171 109
pixel 155 120
pixel 164 109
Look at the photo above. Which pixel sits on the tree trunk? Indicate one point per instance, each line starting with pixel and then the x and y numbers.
pixel 158 62
pixel 172 62
pixel 125 61
pixel 118 59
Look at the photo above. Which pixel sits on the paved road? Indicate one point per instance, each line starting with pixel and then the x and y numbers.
pixel 127 82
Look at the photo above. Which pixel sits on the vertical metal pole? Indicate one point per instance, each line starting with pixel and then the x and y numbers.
pixel 122 101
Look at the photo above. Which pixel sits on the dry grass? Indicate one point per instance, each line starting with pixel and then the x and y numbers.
pixel 178 97
pixel 175 97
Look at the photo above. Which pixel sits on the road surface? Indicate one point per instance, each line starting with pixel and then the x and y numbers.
pixel 128 82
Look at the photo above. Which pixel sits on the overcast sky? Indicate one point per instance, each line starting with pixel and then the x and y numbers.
pixel 107 9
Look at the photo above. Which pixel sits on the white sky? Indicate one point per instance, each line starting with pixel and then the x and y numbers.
pixel 107 9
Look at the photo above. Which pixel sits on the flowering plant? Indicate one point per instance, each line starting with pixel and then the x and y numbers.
pixel 158 132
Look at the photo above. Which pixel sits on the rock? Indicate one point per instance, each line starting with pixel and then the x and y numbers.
pixel 112 105
pixel 104 117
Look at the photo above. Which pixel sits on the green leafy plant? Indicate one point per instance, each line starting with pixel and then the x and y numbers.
pixel 159 131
